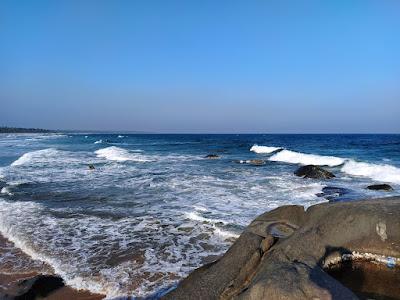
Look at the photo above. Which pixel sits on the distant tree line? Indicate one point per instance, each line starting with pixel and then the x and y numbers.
pixel 23 130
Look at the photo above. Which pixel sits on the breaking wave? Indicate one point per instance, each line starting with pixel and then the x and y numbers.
pixel 119 154
pixel 384 173
pixel 264 149
pixel 35 156
pixel 306 159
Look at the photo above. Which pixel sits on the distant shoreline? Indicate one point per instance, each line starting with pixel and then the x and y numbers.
pixel 24 130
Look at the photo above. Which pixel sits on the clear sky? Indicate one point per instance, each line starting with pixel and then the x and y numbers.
pixel 201 66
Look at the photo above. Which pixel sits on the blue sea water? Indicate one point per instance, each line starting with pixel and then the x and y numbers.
pixel 154 208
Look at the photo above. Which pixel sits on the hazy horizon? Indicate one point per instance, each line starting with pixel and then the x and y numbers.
pixel 184 67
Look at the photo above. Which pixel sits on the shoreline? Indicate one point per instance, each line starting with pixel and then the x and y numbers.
pixel 16 281
pixel 40 281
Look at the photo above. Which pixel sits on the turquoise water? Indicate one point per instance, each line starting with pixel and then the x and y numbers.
pixel 153 208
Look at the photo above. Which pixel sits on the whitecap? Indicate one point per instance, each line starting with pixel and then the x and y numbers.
pixel 98 142
pixel 35 156
pixel 6 190
pixel 120 136
pixel 119 154
pixel 306 159
pixel 264 149
pixel 379 172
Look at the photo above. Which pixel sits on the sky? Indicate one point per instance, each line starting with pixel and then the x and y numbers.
pixel 201 66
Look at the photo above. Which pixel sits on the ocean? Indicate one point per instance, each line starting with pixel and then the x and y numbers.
pixel 131 214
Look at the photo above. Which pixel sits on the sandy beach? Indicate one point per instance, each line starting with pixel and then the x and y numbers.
pixel 17 281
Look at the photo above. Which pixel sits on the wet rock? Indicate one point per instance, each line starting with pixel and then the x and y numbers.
pixel 212 156
pixel 311 171
pixel 35 287
pixel 294 266
pixel 256 162
pixel 253 162
pixel 380 187
pixel 2 184
pixel 333 192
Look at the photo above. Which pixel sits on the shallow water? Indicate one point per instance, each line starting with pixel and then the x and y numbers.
pixel 154 208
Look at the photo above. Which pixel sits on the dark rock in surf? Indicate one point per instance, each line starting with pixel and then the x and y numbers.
pixel 91 167
pixel 2 184
pixel 311 171
pixel 36 287
pixel 256 162
pixel 333 192
pixel 380 187
pixel 253 162
pixel 212 156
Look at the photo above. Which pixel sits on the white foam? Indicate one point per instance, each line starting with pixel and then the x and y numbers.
pixel 264 149
pixel 35 156
pixel 379 172
pixel 98 142
pixel 195 217
pixel 119 154
pixel 6 190
pixel 120 136
pixel 306 159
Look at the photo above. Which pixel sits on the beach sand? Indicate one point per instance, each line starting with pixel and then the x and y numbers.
pixel 13 276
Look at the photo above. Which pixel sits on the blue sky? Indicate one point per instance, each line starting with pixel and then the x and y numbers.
pixel 201 66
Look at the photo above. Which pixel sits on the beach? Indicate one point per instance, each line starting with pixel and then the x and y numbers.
pixel 132 215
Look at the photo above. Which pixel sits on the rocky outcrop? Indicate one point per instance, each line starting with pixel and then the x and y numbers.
pixel 380 187
pixel 286 253
pixel 311 171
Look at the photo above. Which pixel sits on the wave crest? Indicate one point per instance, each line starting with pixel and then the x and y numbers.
pixel 264 149
pixel 379 172
pixel 119 154
pixel 306 159
pixel 35 156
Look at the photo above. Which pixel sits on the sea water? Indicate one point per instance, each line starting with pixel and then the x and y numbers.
pixel 154 208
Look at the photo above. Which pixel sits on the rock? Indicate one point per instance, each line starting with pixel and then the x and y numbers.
pixel 380 187
pixel 212 156
pixel 91 167
pixel 49 287
pixel 333 192
pixel 311 171
pixel 254 162
pixel 297 265
pixel 35 287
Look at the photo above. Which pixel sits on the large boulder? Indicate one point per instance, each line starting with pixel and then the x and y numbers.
pixel 288 253
pixel 311 171
pixel 380 187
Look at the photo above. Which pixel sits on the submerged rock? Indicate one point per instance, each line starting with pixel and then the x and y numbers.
pixel 380 187
pixel 295 264
pixel 311 171
pixel 212 156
